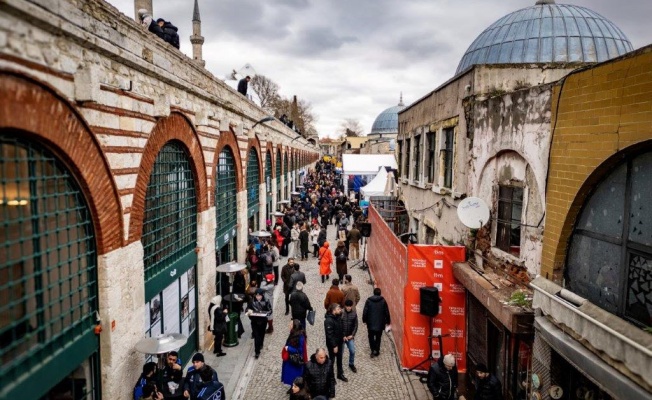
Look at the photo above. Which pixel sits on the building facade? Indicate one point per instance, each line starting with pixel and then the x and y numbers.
pixel 127 173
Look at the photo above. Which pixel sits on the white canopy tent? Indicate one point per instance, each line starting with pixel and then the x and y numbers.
pixel 365 165
pixel 377 185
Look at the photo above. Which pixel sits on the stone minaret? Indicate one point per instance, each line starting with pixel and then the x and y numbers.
pixel 197 39
pixel 146 4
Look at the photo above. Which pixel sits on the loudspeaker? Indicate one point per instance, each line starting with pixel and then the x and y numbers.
pixel 429 298
pixel 365 229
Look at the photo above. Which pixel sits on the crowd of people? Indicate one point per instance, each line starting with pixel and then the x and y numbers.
pixel 297 233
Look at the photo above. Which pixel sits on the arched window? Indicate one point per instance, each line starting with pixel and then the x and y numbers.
pixel 169 241
pixel 253 180
pixel 225 198
pixel 48 272
pixel 610 255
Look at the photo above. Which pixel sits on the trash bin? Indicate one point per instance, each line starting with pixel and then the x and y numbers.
pixel 231 338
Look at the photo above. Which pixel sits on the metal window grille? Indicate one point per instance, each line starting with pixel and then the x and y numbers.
pixel 400 158
pixel 170 224
pixel 278 176
pixel 225 197
pixel 432 136
pixel 408 149
pixel 48 270
pixel 447 155
pixel 253 180
pixel 510 208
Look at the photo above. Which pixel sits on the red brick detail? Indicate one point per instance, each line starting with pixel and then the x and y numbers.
pixel 255 143
pixel 124 92
pixel 45 116
pixel 117 111
pixel 269 149
pixel 37 67
pixel 181 110
pixel 178 128
pixel 228 139
pixel 102 130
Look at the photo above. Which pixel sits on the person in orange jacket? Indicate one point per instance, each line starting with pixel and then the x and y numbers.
pixel 325 261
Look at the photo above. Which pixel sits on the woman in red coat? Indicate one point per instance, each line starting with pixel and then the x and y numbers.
pixel 325 261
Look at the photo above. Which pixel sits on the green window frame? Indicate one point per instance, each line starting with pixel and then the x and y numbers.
pixel 268 176
pixel 48 272
pixel 225 198
pixel 253 182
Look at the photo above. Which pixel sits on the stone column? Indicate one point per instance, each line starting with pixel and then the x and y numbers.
pixel 206 264
pixel 242 227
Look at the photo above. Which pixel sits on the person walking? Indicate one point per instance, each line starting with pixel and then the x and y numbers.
pixel 217 323
pixel 297 355
pixel 325 261
pixel 334 295
pixel 350 291
pixel 286 273
pixel 268 286
pixel 376 316
pixel 258 322
pixel 487 386
pixel 300 304
pixel 299 390
pixel 318 375
pixel 276 260
pixel 335 337
pixel 314 235
pixel 294 241
pixel 350 329
pixel 354 242
pixel 297 276
pixel 442 378
pixel 341 255
pixel 304 238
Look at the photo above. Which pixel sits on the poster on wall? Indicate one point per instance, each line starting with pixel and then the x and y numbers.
pixel 155 310
pixel 432 266
pixel 171 308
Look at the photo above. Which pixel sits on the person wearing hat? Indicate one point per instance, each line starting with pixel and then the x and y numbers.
pixel 442 378
pixel 217 323
pixel 258 305
pixel 268 286
pixel 487 386
pixel 193 383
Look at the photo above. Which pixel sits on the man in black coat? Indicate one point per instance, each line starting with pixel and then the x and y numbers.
pixel 318 374
pixel 243 84
pixel 376 316
pixel 350 328
pixel 300 304
pixel 442 378
pixel 487 386
pixel 286 273
pixel 217 323
pixel 335 337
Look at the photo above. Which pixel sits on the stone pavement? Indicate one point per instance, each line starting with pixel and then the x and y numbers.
pixel 247 378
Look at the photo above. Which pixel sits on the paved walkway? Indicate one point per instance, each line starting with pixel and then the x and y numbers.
pixel 248 378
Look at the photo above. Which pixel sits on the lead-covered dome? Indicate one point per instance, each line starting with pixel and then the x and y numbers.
pixel 387 121
pixel 547 32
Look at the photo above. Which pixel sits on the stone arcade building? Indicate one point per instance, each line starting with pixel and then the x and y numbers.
pixel 127 173
pixel 532 125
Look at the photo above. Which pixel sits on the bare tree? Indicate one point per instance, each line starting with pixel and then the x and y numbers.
pixel 297 111
pixel 267 91
pixel 350 127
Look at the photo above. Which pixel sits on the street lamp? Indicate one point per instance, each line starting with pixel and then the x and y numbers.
pixel 266 119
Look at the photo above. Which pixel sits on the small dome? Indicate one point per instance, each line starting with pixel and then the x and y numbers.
pixel 547 32
pixel 387 121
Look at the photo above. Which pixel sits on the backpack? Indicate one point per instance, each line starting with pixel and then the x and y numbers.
pixel 341 256
pixel 267 257
pixel 138 389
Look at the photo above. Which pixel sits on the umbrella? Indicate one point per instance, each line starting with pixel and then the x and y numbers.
pixel 295 193
pixel 161 344
pixel 283 202
pixel 299 187
pixel 279 214
pixel 230 267
pixel 260 234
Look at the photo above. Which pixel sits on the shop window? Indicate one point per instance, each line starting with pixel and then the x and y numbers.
pixel 225 198
pixel 510 207
pixel 610 257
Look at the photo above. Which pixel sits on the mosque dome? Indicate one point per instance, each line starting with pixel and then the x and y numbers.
pixel 546 33
pixel 387 121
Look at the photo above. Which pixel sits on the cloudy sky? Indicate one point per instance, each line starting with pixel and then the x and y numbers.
pixel 352 58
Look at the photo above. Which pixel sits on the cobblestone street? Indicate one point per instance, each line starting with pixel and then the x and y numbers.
pixel 377 376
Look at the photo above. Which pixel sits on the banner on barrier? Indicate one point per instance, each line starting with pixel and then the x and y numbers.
pixel 432 265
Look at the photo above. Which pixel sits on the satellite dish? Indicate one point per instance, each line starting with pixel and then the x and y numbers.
pixel 473 212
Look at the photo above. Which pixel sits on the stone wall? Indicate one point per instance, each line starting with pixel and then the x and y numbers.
pixel 105 95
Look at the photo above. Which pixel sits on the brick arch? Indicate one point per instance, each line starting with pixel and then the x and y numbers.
pixel 228 139
pixel 584 192
pixel 255 143
pixel 175 127
pixel 45 116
